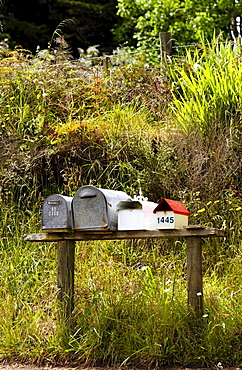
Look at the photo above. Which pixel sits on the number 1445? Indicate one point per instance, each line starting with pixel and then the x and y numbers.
pixel 166 220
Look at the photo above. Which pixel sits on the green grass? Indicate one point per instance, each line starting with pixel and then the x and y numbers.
pixel 207 94
pixel 130 306
pixel 65 126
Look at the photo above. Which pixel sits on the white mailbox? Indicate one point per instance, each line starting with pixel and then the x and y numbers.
pixel 136 214
pixel 171 214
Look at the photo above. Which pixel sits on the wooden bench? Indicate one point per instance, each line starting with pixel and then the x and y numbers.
pixel 193 234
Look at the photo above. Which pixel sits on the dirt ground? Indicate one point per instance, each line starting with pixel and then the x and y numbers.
pixel 33 367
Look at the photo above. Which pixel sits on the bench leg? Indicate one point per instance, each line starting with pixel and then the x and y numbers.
pixel 66 262
pixel 194 275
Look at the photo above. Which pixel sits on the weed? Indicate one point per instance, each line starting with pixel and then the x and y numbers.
pixel 65 124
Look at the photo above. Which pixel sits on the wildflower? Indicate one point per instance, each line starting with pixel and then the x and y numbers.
pixel 236 192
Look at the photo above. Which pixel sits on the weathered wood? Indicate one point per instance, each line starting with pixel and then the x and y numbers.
pixel 66 255
pixel 66 262
pixel 194 227
pixel 165 45
pixel 194 275
pixel 106 61
pixel 43 237
pixel 115 235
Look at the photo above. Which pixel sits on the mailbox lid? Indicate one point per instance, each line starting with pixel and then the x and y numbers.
pixel 172 205
pixel 57 213
pixel 139 202
pixel 95 208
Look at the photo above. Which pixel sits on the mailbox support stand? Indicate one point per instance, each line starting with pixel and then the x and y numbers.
pixel 194 275
pixel 66 256
pixel 66 262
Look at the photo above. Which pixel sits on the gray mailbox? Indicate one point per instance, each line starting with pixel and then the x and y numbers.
pixel 57 213
pixel 95 208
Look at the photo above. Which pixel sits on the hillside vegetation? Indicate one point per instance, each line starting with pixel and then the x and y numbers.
pixel 171 132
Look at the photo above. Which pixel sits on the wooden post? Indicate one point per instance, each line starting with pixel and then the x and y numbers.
pixel 165 45
pixel 194 275
pixel 106 61
pixel 66 261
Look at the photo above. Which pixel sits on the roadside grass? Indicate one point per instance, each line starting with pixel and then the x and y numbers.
pixel 27 286
pixel 130 303
pixel 206 89
pixel 65 126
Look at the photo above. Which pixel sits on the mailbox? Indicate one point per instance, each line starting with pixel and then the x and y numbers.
pixel 136 214
pixel 171 214
pixel 57 213
pixel 95 208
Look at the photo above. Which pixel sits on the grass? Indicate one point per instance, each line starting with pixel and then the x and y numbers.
pixel 130 307
pixel 130 303
pixel 209 96
pixel 66 125
pixel 28 288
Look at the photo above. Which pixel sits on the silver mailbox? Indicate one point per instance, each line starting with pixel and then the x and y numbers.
pixel 57 213
pixel 95 208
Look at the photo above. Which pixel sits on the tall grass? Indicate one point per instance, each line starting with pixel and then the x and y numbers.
pixel 207 94
pixel 130 307
pixel 65 126
pixel 27 286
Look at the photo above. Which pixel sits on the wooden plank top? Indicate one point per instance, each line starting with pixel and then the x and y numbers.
pixel 189 231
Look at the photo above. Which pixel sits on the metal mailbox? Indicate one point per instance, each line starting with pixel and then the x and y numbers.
pixel 95 208
pixel 136 214
pixel 57 213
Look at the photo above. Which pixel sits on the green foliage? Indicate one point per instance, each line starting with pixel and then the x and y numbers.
pixel 69 124
pixel 130 304
pixel 207 89
pixel 186 21
pixel 27 293
pixel 206 108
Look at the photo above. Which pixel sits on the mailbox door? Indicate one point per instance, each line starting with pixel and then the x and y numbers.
pixel 131 219
pixel 56 213
pixel 90 209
